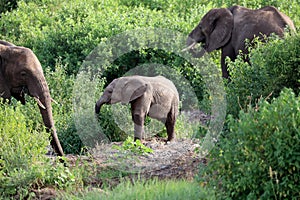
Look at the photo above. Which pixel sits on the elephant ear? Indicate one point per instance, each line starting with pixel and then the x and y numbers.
pixel 129 89
pixel 5 43
pixel 221 23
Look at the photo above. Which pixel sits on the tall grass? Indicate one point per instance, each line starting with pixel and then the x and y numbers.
pixel 154 189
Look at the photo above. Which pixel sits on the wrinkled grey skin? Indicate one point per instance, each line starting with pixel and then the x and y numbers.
pixel 21 73
pixel 156 97
pixel 227 29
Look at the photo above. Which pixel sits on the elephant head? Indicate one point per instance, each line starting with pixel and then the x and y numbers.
pixel 156 97
pixel 213 31
pixel 122 90
pixel 21 73
pixel 228 29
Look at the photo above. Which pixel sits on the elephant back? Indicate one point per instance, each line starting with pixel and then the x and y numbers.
pixel 164 81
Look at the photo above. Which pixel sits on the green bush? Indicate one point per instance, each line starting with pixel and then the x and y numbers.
pixel 134 147
pixel 16 130
pixel 259 156
pixel 70 31
pixel 274 65
pixel 7 5
pixel 24 165
pixel 22 151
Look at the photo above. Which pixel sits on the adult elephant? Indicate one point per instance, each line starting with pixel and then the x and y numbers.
pixel 228 28
pixel 156 97
pixel 21 73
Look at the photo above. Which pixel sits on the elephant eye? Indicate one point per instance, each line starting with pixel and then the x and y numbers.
pixel 23 73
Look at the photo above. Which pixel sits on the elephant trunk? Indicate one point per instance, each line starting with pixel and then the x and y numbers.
pixel 46 113
pixel 99 105
pixel 191 43
pixel 41 93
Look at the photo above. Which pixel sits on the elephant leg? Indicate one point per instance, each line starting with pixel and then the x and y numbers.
pixel 225 73
pixel 139 108
pixel 138 126
pixel 170 126
pixel 4 91
pixel 227 51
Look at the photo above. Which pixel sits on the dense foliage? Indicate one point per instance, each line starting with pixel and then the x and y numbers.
pixel 258 157
pixel 23 164
pixel 264 162
pixel 7 5
pixel 274 65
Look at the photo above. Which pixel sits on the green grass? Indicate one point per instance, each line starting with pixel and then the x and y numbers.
pixel 151 190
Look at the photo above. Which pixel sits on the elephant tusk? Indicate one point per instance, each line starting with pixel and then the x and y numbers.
pixel 39 103
pixel 54 101
pixel 189 47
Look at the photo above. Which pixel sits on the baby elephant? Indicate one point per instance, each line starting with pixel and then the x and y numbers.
pixel 156 97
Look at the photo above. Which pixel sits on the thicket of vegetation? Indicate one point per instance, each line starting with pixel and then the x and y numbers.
pixel 264 163
pixel 263 122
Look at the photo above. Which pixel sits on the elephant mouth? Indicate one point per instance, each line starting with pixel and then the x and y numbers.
pixel 19 93
pixel 199 48
pixel 19 90
pixel 193 45
pixel 190 47
pixel 202 43
pixel 196 50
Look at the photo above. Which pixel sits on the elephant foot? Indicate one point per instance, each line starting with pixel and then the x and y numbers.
pixel 136 138
pixel 169 141
pixel 53 154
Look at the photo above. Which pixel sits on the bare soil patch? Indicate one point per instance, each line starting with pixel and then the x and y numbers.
pixel 175 160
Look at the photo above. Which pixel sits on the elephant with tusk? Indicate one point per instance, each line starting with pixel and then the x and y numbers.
pixel 156 97
pixel 21 73
pixel 228 28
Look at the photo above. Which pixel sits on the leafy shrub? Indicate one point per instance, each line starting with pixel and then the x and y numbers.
pixel 274 65
pixel 22 151
pixel 15 151
pixel 259 156
pixel 57 29
pixel 7 5
pixel 23 164
pixel 135 147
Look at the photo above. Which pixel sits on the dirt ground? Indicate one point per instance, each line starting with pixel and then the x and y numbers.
pixel 175 160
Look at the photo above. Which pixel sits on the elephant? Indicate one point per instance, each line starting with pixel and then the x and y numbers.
pixel 156 97
pixel 228 28
pixel 21 73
